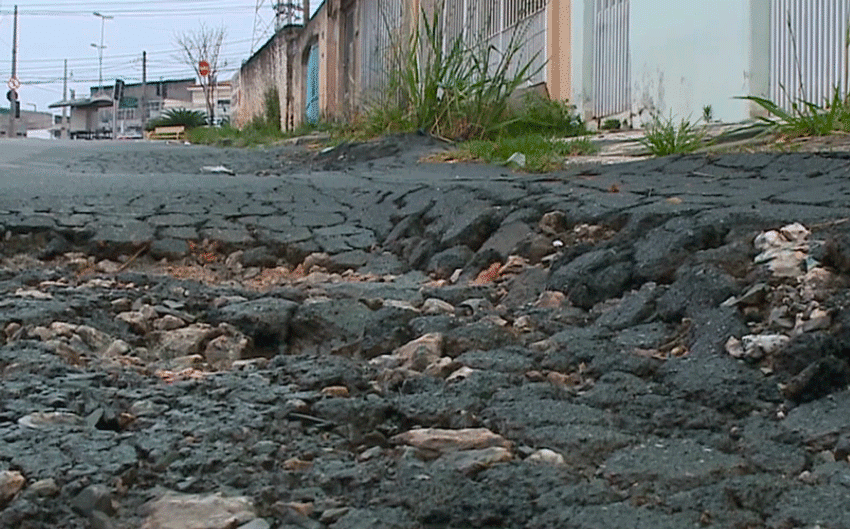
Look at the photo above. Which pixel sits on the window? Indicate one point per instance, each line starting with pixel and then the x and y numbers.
pixel 517 10
pixel 126 113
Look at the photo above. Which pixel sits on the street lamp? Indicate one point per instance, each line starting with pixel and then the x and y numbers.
pixel 103 19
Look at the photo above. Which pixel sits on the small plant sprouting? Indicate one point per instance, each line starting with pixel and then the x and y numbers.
pixel 707 114
pixel 664 136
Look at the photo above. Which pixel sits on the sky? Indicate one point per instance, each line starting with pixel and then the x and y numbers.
pixel 51 31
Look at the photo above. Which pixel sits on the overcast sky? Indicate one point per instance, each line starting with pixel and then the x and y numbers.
pixel 51 31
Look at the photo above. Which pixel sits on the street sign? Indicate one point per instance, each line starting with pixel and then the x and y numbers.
pixel 204 68
pixel 14 83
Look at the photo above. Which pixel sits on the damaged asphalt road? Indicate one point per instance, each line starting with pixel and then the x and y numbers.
pixel 357 340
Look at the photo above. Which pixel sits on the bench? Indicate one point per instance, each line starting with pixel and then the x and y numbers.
pixel 176 132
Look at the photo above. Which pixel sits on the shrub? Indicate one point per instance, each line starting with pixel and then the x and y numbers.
pixel 178 116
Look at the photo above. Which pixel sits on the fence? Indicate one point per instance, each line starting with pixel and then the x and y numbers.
pixel 808 50
pixel 611 65
pixel 495 23
pixel 381 20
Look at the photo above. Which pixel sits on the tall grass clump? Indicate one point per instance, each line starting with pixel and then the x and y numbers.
pixel 450 88
pixel 806 118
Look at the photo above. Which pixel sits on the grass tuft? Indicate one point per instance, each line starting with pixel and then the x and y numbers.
pixel 806 118
pixel 663 136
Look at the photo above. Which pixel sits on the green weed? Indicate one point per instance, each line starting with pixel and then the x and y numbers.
pixel 664 136
pixel 806 118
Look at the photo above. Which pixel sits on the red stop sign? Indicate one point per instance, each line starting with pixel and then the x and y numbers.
pixel 204 68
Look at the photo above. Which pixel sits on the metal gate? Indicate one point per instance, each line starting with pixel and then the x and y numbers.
pixel 808 50
pixel 611 65
pixel 379 33
pixel 311 107
pixel 495 23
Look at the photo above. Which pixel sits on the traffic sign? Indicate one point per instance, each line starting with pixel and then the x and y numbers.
pixel 14 83
pixel 204 68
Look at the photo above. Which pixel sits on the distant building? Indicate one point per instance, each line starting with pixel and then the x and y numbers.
pixel 29 121
pixel 92 116
pixel 222 96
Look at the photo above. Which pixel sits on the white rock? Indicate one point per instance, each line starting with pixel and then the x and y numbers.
pixel 461 373
pixel 188 340
pixel 434 306
pixel 544 455
pixel 44 487
pixel 40 420
pixel 734 347
pixel 108 267
pixel 441 368
pixel 168 323
pixel 95 339
pixel 136 320
pixel 196 511
pixel 758 345
pixel 443 441
pixel 32 294
pixel 117 348
pixel 415 355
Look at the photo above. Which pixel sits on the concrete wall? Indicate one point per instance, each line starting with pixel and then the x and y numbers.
pixel 686 55
pixel 282 63
pixel 264 71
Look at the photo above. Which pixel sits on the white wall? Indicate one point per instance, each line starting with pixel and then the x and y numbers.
pixel 689 54
pixel 581 54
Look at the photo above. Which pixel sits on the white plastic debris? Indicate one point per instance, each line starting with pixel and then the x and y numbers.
pixel 217 169
pixel 517 159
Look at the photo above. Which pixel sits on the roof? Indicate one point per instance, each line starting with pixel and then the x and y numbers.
pixel 149 83
pixel 95 102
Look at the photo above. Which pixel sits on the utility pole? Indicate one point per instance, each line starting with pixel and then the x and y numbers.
pixel 103 19
pixel 13 81
pixel 144 102
pixel 64 129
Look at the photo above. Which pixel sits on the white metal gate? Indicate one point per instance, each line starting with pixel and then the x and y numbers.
pixel 494 23
pixel 611 65
pixel 379 32
pixel 808 50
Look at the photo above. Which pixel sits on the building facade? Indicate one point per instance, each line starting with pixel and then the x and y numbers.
pixel 609 58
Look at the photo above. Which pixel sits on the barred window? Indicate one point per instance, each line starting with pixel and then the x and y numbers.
pixel 518 10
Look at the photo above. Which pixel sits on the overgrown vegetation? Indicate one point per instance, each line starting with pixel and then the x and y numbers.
pixel 465 92
pixel 663 136
pixel 457 90
pixel 806 118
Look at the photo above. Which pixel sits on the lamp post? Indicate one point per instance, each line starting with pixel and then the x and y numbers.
pixel 103 19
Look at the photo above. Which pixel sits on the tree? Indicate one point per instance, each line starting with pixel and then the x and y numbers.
pixel 203 45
